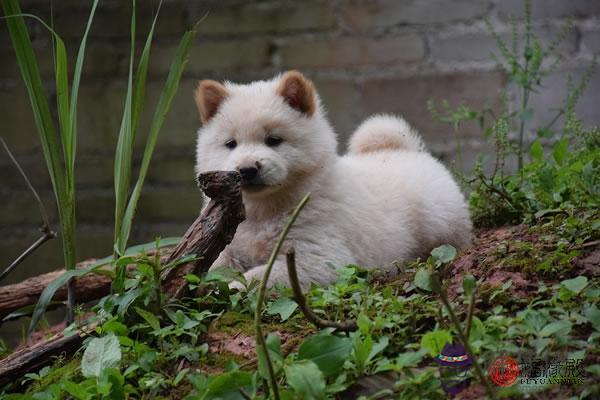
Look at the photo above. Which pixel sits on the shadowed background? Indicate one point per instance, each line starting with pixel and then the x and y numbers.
pixel 364 57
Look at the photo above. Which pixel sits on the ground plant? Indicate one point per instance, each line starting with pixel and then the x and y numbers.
pixel 528 290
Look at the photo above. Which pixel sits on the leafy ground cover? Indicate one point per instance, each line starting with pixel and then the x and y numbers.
pixel 529 292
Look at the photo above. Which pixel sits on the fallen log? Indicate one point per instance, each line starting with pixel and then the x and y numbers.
pixel 89 287
pixel 205 239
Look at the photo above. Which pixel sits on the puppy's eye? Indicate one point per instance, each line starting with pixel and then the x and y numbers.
pixel 231 144
pixel 273 141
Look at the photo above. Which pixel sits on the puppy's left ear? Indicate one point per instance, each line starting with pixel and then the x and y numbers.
pixel 298 92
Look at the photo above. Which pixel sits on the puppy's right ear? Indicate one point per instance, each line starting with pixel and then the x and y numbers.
pixel 209 95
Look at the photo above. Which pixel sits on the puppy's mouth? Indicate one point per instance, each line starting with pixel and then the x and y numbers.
pixel 253 186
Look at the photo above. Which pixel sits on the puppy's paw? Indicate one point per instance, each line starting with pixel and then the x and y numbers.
pixel 237 285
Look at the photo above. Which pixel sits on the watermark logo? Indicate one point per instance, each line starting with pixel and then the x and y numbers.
pixel 531 372
pixel 552 371
pixel 504 371
pixel 454 365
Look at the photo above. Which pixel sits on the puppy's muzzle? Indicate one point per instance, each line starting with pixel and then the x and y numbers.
pixel 250 173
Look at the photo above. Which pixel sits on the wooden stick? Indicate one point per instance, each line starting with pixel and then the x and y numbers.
pixel 210 233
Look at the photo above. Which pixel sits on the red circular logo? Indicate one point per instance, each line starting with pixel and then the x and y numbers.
pixel 504 371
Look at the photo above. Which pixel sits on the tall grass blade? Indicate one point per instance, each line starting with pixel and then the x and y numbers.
pixel 75 87
pixel 62 172
pixel 123 155
pixel 39 103
pixel 139 87
pixel 164 104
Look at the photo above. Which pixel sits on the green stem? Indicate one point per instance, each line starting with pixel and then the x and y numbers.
pixel 344 326
pixel 260 339
pixel 438 288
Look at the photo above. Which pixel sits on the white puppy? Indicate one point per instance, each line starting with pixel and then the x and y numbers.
pixel 387 199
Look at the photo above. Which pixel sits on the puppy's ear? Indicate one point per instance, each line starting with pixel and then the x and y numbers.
pixel 298 92
pixel 209 95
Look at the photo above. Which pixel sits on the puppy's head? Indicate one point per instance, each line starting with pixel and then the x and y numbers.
pixel 272 132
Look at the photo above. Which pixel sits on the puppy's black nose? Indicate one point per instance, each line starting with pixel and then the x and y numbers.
pixel 248 173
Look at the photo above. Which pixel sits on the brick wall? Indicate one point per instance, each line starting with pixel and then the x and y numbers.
pixel 365 57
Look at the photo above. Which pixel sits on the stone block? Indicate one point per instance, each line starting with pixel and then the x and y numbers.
pixel 18 126
pixel 409 97
pixel 480 46
pixel 170 204
pixel 591 41
pixel 549 98
pixel 114 20
pixel 46 258
pixel 328 52
pixel 33 165
pixel 181 123
pixel 234 55
pixel 341 99
pixel 548 9
pixel 369 15
pixel 19 207
pixel 236 18
pixel 173 168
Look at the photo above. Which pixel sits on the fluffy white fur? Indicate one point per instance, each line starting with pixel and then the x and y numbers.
pixel 386 200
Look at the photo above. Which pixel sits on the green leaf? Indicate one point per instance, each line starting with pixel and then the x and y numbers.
pixel 526 114
pixel 410 358
pixel 124 150
pixel 164 104
pixel 76 390
pixel 536 151
pixel 150 318
pixel 327 351
pixel 477 329
pixel 560 328
pixel 100 354
pixel 274 347
pixel 306 379
pixel 423 279
pixel 75 89
pixel 444 253
pixel 560 151
pixel 378 347
pixel 592 313
pixel 110 384
pixel 469 284
pixel 435 341
pixel 227 386
pixel 284 307
pixel 575 285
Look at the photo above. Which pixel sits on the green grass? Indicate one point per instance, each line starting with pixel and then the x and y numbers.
pixel 60 150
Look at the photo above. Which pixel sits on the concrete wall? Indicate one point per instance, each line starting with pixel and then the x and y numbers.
pixel 364 56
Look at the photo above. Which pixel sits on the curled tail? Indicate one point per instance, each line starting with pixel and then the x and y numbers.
pixel 384 132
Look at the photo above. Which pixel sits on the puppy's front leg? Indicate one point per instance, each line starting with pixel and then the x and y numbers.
pixel 310 269
pixel 225 259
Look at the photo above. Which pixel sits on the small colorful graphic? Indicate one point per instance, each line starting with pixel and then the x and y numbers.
pixel 504 371
pixel 455 363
